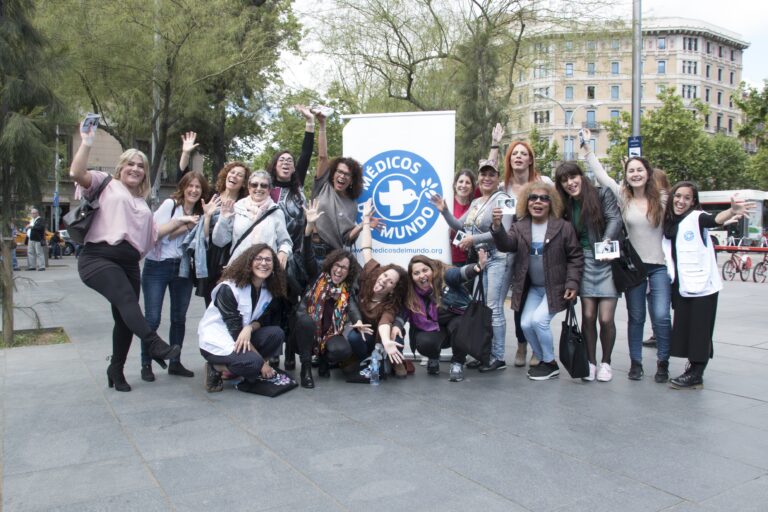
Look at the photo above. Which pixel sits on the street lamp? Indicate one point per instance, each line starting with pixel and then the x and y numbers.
pixel 568 121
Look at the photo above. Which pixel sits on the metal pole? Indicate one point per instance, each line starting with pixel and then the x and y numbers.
pixel 637 50
pixel 56 207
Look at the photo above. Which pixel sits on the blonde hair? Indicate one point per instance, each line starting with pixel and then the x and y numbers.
pixel 126 157
pixel 555 202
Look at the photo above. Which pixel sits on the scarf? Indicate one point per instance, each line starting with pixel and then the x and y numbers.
pixel 426 319
pixel 253 211
pixel 671 225
pixel 324 289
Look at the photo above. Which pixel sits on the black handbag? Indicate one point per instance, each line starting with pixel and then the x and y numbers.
pixel 573 350
pixel 475 331
pixel 628 269
pixel 79 220
pixel 277 385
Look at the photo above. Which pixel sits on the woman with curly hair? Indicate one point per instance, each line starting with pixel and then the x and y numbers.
pixel 595 216
pixel 240 330
pixel 548 264
pixel 642 209
pixel 434 305
pixel 337 186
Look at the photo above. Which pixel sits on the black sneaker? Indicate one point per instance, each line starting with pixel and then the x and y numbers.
pixel 433 367
pixel 213 382
pixel 474 365
pixel 544 371
pixel 662 372
pixel 635 371
pixel 146 373
pixel 495 364
pixel 687 381
pixel 650 342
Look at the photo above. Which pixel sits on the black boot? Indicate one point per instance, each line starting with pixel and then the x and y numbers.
pixel 178 369
pixel 290 360
pixel 116 379
pixel 662 372
pixel 274 362
pixel 160 350
pixel 146 373
pixel 306 376
pixel 324 370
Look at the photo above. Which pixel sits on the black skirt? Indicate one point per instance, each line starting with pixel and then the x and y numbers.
pixel 693 325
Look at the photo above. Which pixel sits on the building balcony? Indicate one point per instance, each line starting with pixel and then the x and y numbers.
pixel 590 125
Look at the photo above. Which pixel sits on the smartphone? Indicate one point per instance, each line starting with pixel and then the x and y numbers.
pixel 458 238
pixel 91 120
pixel 582 140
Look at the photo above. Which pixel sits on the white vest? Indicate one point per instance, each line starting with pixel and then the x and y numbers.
pixel 213 335
pixel 696 264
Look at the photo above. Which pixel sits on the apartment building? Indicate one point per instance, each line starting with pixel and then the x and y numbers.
pixel 571 79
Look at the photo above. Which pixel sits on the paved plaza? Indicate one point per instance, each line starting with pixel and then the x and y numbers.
pixel 495 442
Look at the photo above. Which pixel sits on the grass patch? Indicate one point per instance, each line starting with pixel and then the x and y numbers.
pixel 35 337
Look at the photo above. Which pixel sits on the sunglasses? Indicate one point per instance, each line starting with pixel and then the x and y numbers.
pixel 544 198
pixel 259 185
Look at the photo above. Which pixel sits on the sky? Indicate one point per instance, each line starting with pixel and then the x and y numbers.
pixel 748 18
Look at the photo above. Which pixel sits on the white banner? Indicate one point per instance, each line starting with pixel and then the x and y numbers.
pixel 406 157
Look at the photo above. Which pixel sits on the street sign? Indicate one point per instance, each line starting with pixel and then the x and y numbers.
pixel 635 146
pixel 56 199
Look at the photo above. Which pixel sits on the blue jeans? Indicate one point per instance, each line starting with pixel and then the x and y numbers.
pixel 496 284
pixel 157 276
pixel 535 321
pixel 658 305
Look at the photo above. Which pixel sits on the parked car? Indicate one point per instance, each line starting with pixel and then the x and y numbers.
pixel 68 246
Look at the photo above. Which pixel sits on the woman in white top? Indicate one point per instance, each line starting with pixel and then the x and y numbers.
pixel 254 219
pixel 642 209
pixel 161 269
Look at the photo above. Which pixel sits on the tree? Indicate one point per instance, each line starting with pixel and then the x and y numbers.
pixel 27 106
pixel 754 104
pixel 152 67
pixel 546 153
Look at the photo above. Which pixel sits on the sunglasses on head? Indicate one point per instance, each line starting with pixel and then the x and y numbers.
pixel 258 185
pixel 544 198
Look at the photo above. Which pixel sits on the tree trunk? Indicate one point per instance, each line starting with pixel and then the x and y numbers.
pixel 6 279
pixel 219 136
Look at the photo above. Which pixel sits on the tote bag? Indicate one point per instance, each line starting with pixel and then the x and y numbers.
pixel 573 350
pixel 475 332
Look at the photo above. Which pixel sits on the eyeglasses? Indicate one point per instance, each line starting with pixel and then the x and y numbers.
pixel 344 173
pixel 263 260
pixel 258 185
pixel 544 198
pixel 339 266
pixel 285 159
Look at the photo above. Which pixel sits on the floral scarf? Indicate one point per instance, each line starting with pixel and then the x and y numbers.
pixel 426 319
pixel 322 290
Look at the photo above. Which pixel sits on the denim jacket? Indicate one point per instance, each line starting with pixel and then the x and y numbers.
pixel 194 246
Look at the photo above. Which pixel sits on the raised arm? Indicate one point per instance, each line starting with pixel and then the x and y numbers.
pixel 322 147
pixel 365 235
pixel 442 207
pixel 594 164
pixel 78 171
pixel 739 208
pixel 496 135
pixel 308 144
pixel 187 147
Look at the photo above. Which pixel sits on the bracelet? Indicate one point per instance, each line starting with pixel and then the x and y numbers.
pixel 494 146
pixel 366 247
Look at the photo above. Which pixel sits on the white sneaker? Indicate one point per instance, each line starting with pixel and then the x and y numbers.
pixel 591 376
pixel 604 374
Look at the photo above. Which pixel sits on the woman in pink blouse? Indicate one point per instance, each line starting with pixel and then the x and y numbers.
pixel 121 233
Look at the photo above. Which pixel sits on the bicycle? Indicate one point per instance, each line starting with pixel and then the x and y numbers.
pixel 760 272
pixel 741 264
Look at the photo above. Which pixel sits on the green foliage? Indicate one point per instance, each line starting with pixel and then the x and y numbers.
pixel 723 164
pixel 546 153
pixel 757 169
pixel 754 104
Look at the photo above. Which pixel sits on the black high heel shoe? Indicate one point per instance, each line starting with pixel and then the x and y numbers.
pixel 116 379
pixel 160 350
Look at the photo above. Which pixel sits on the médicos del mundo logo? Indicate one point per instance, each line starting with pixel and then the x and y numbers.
pixel 401 183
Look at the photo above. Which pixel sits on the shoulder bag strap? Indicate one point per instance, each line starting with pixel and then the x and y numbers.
pixel 248 231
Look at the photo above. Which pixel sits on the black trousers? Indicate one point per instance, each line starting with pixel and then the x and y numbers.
pixel 430 343
pixel 337 348
pixel 113 271
pixel 266 340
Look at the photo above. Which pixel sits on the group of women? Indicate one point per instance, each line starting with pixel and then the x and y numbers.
pixel 275 269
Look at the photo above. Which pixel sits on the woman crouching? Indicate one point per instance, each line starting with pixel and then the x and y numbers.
pixel 548 267
pixel 240 329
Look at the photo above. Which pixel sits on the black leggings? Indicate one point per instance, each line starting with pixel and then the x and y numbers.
pixel 113 271
pixel 430 343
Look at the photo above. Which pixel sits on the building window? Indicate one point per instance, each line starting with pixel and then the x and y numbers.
pixel 591 123
pixel 706 121
pixel 614 68
pixel 719 97
pixel 591 68
pixel 569 117
pixel 615 114
pixel 719 123
pixel 690 67
pixel 520 98
pixel 731 78
pixel 541 117
pixel 590 92
pixel 661 43
pixel 730 125
pixel 521 76
pixel 719 74
pixel 568 46
pixel 569 92
pixel 569 69
pixel 720 51
pixel 706 94
pixel 709 47
pixel 593 144
pixel 691 44
pixel 591 46
pixel 540 71
pixel 568 148
pixel 730 101
pixel 733 55
pixel 541 47
pixel 541 91
pixel 661 67
pixel 688 91
pixel 614 92
pixel 660 88
pixel 616 44
pixel 708 70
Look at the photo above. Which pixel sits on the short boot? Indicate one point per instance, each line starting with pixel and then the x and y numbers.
pixel 662 372
pixel 176 368
pixel 306 376
pixel 146 373
pixel 522 352
pixel 159 350
pixel 116 379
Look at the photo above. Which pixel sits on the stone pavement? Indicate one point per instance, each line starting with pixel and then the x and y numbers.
pixel 493 442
